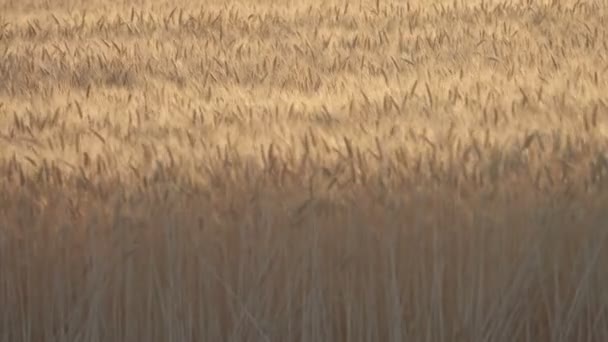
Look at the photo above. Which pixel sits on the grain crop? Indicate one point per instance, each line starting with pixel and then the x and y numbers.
pixel 277 170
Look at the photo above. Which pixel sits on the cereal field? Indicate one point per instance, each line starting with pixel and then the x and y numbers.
pixel 259 170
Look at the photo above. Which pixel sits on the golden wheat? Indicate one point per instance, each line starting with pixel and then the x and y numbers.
pixel 377 170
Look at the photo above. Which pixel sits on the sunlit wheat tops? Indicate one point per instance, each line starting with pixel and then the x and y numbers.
pixel 258 170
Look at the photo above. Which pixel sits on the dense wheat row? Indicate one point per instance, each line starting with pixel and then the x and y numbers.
pixel 303 171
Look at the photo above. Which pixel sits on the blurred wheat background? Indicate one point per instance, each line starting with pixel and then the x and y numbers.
pixel 384 170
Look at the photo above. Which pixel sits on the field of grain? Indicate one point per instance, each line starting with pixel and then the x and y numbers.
pixel 259 170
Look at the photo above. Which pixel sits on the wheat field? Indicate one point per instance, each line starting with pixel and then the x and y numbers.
pixel 275 170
